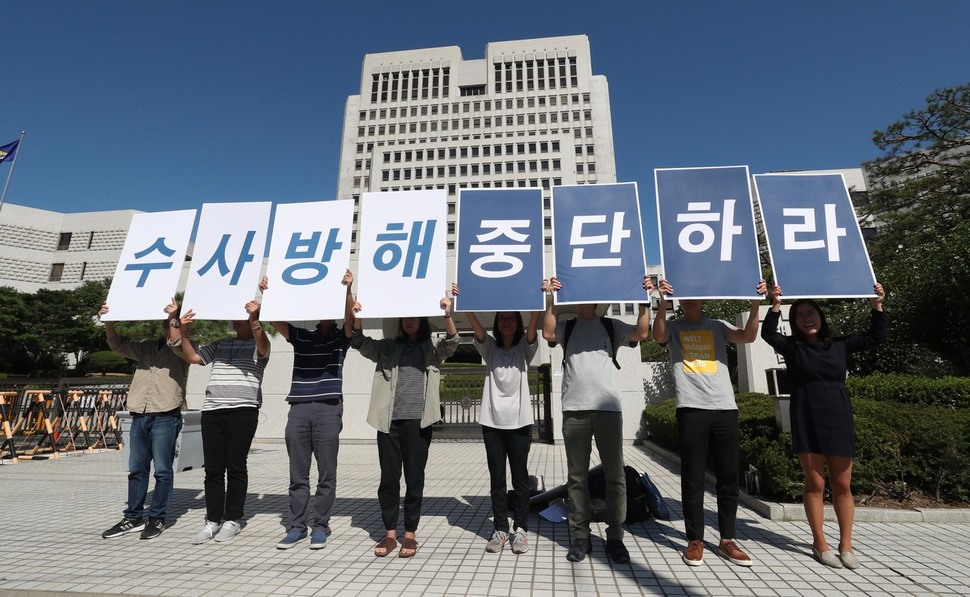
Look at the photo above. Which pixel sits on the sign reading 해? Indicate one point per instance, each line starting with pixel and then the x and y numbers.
pixel 597 242
pixel 814 239
pixel 708 244
pixel 309 253
pixel 499 259
pixel 401 269
pixel 229 250
pixel 150 266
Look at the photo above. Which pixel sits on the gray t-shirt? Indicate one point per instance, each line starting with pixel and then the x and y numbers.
pixel 698 357
pixel 589 378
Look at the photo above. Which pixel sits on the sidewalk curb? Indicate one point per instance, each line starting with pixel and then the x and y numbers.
pixel 778 511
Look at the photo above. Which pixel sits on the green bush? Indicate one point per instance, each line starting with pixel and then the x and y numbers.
pixel 900 447
pixel 953 392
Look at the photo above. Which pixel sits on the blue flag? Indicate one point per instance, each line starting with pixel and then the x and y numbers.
pixel 8 151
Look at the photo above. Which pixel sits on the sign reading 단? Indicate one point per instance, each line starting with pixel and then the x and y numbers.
pixel 708 245
pixel 402 251
pixel 309 253
pixel 499 258
pixel 227 260
pixel 598 244
pixel 150 266
pixel 814 240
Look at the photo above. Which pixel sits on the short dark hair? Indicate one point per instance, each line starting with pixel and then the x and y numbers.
pixel 424 329
pixel 824 334
pixel 519 328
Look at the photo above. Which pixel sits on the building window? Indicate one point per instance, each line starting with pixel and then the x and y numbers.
pixel 64 242
pixel 84 268
pixel 57 270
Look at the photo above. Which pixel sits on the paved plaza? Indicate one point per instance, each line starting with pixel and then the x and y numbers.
pixel 53 513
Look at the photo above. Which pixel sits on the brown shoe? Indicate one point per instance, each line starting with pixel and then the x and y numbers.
pixel 694 555
pixel 730 551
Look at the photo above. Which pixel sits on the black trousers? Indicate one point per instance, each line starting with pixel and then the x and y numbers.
pixel 405 445
pixel 511 445
pixel 227 435
pixel 704 432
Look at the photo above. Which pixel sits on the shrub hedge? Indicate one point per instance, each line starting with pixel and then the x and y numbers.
pixel 900 447
pixel 953 392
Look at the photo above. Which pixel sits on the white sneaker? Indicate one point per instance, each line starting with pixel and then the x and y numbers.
pixel 230 529
pixel 208 532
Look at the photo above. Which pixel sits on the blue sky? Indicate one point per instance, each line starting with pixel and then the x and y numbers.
pixel 157 106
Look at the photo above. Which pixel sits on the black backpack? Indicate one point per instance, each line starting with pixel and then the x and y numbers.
pixel 569 330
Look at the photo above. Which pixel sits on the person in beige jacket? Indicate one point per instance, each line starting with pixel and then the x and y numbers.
pixel 404 404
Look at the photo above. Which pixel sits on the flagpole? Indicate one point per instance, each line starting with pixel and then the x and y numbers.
pixel 13 164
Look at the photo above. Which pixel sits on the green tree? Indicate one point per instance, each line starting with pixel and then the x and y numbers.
pixel 920 198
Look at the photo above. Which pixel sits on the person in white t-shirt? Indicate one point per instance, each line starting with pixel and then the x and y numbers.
pixel 506 419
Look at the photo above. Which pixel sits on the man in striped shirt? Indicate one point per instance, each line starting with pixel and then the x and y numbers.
pixel 315 419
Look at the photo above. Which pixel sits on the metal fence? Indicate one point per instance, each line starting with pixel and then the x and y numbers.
pixel 46 418
pixel 461 403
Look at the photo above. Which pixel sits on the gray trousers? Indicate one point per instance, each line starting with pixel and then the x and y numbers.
pixel 313 428
pixel 578 430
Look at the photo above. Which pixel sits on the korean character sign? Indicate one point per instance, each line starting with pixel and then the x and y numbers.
pixel 402 253
pixel 597 242
pixel 814 239
pixel 228 257
pixel 499 260
pixel 151 261
pixel 708 243
pixel 309 253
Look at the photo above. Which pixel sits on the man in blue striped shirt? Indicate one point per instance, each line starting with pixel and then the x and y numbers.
pixel 315 419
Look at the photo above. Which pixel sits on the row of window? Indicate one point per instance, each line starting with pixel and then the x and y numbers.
pixel 473 169
pixel 57 271
pixel 475 151
pixel 531 75
pixel 476 122
pixel 64 240
pixel 475 106
pixel 410 84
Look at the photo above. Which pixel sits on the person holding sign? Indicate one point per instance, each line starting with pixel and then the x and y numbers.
pixel 707 416
pixel 155 400
pixel 229 415
pixel 315 418
pixel 591 408
pixel 506 419
pixel 823 432
pixel 404 404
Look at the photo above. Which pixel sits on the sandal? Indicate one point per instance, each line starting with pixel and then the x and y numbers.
pixel 408 543
pixel 385 546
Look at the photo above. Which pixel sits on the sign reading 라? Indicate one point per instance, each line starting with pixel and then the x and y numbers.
pixel 228 256
pixel 708 245
pixel 814 239
pixel 150 265
pixel 309 253
pixel 499 260
pixel 401 272
pixel 598 243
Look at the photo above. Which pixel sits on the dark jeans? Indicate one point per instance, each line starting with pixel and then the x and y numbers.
pixel 579 427
pixel 512 445
pixel 152 439
pixel 313 429
pixel 702 432
pixel 406 444
pixel 227 434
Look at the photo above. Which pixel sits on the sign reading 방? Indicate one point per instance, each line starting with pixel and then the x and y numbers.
pixel 708 246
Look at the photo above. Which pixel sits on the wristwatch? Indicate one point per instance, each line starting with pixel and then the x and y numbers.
pixel 175 323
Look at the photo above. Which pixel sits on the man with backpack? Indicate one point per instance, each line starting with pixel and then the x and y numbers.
pixel 592 409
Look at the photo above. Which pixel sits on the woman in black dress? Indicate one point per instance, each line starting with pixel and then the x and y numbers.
pixel 821 413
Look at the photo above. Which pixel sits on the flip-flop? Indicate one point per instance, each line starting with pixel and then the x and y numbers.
pixel 387 544
pixel 409 543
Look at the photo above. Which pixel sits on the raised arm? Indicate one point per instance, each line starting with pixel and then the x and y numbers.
pixel 660 334
pixel 350 313
pixel 532 330
pixel 549 317
pixel 642 331
pixel 472 319
pixel 282 327
pixel 877 326
pixel 262 340
pixel 179 336
pixel 109 329
pixel 749 333
pixel 445 304
pixel 769 330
